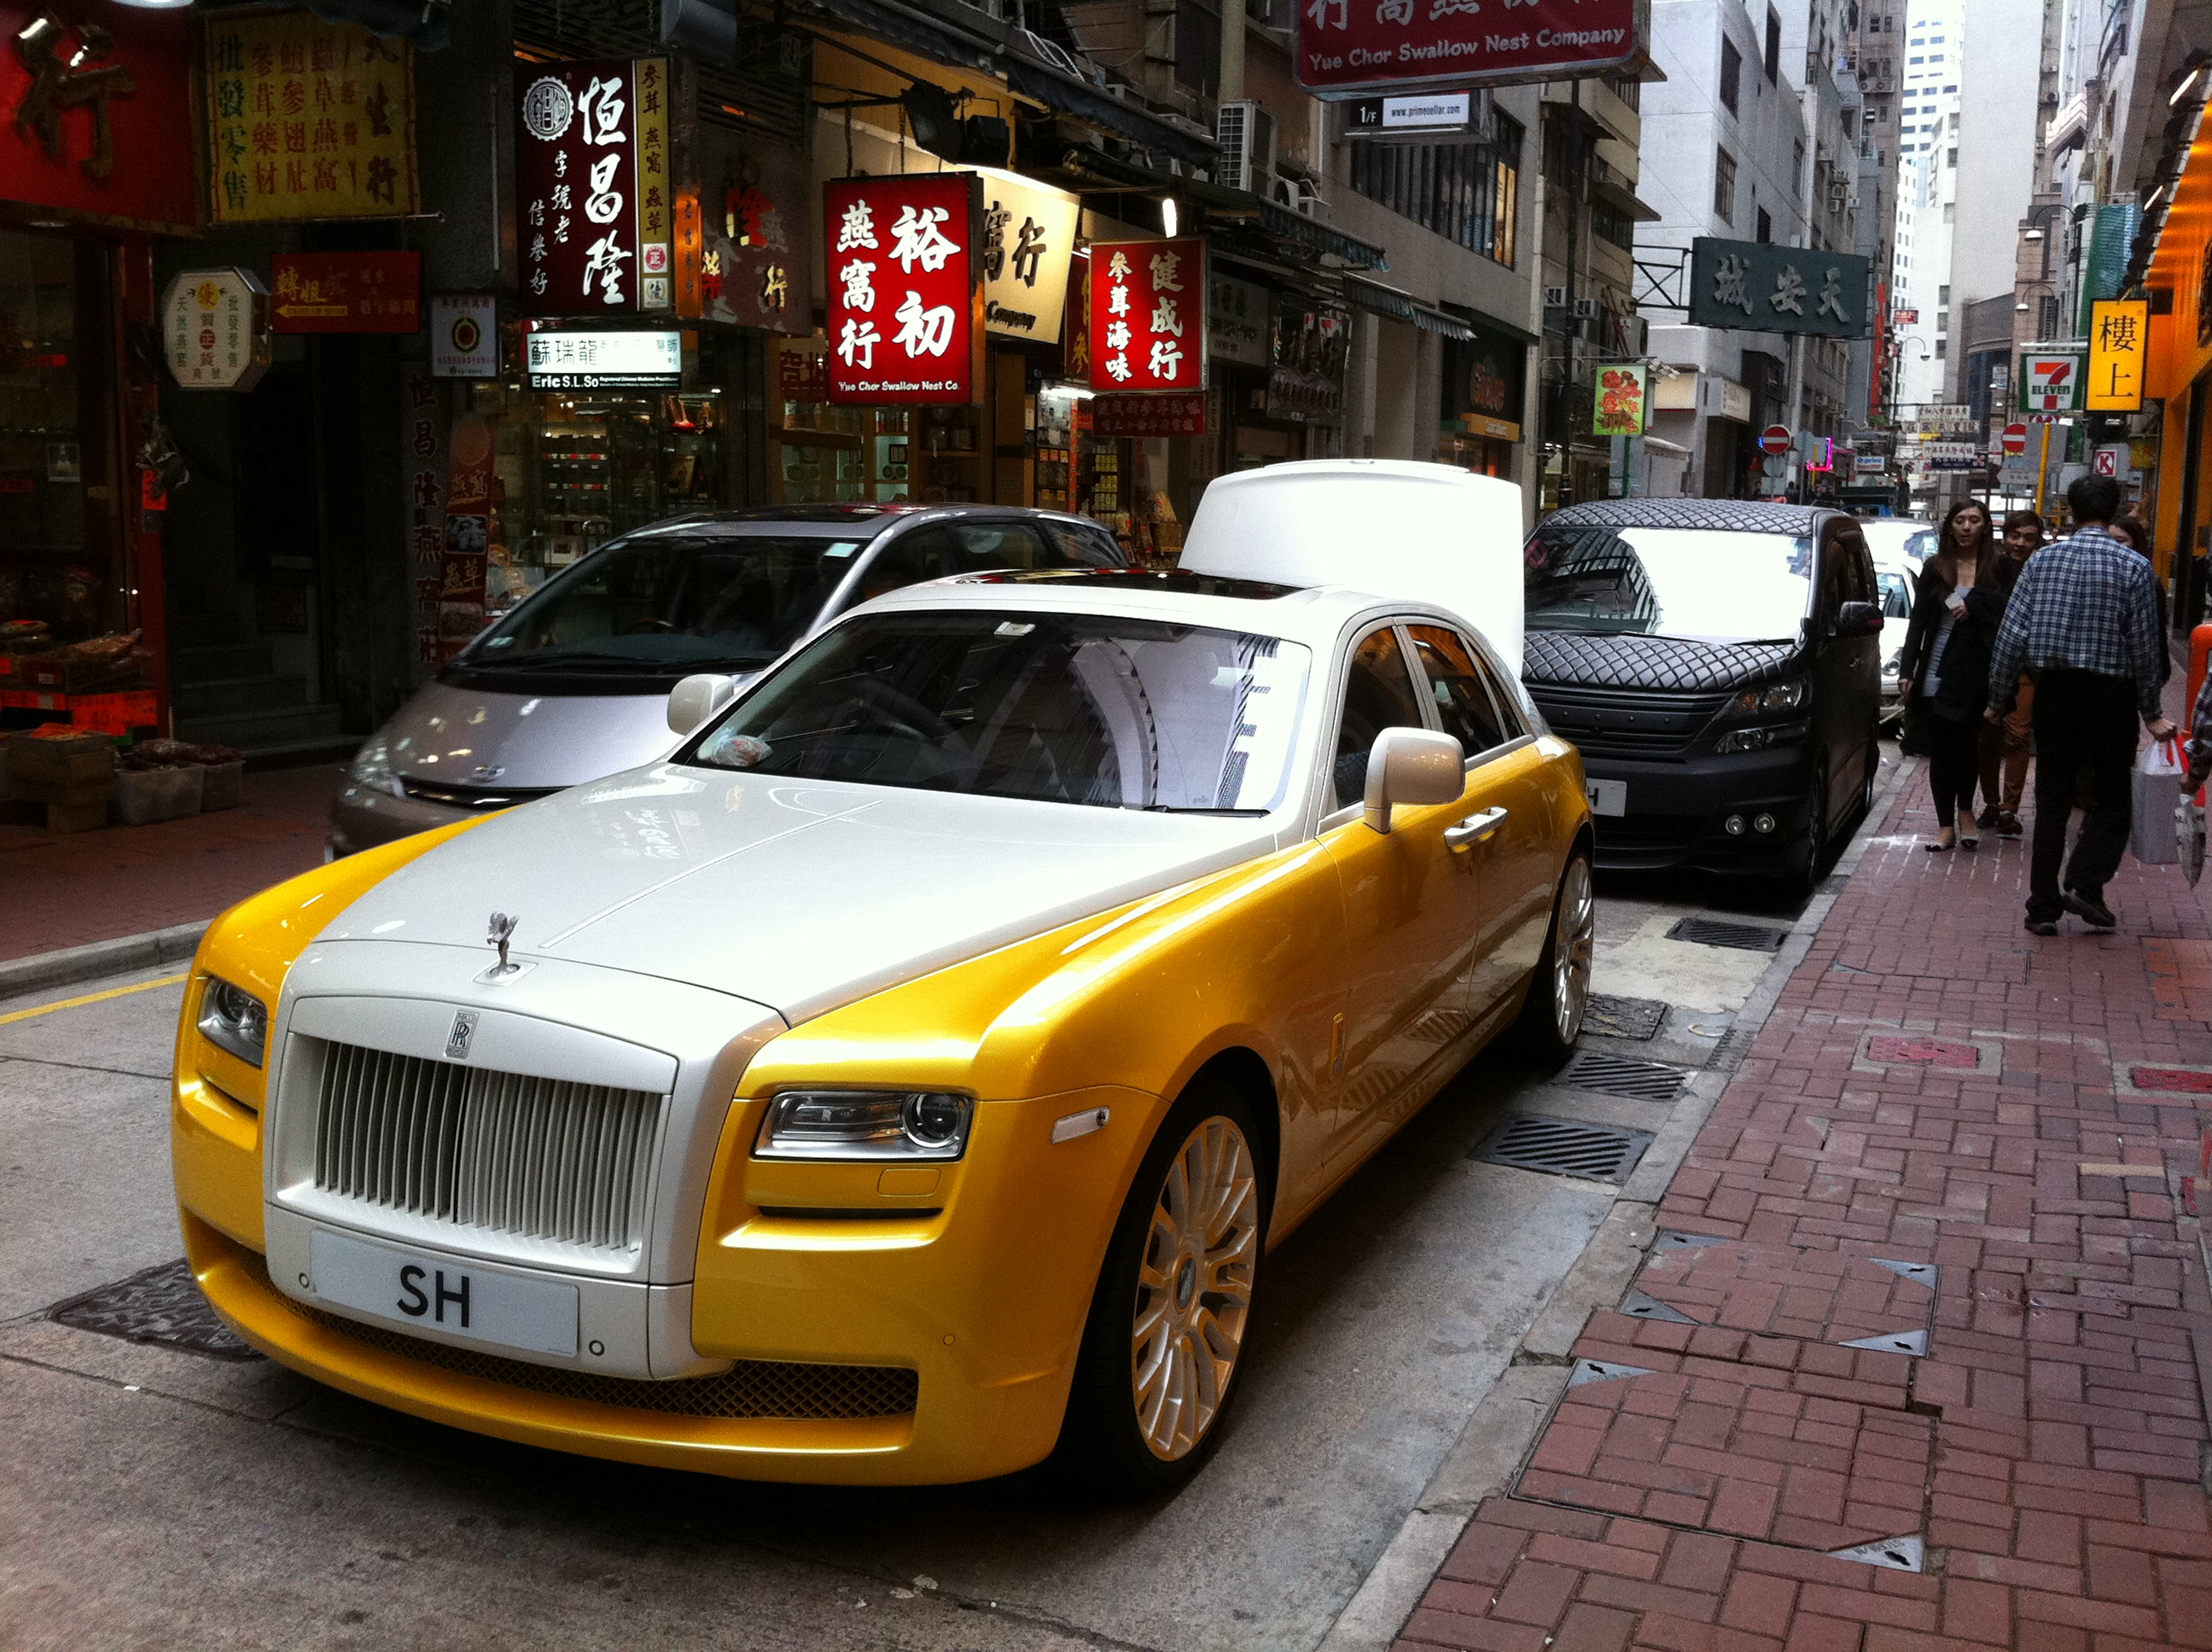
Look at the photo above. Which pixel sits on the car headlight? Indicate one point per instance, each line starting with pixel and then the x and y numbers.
pixel 233 1019
pixel 1758 739
pixel 904 1124
pixel 372 764
pixel 1779 696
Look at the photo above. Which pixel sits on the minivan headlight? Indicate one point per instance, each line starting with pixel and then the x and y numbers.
pixel 372 764
pixel 904 1125
pixel 1776 697
pixel 233 1019
pixel 1758 739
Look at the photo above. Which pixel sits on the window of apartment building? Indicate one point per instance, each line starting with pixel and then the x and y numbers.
pixel 1773 65
pixel 1765 225
pixel 1943 348
pixel 1610 224
pixel 1627 88
pixel 1468 193
pixel 1950 157
pixel 1797 170
pixel 1731 75
pixel 1198 47
pixel 1724 185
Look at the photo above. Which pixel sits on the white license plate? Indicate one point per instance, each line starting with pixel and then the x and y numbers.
pixel 1608 797
pixel 418 1290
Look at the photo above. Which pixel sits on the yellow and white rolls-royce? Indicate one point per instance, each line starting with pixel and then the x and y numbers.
pixel 908 1078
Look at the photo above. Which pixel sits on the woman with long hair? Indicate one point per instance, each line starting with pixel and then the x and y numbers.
pixel 1945 663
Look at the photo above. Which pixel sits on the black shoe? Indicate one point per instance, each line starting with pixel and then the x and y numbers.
pixel 1988 817
pixel 2008 824
pixel 2041 926
pixel 2089 909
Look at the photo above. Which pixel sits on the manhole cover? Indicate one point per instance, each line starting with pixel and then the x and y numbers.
pixel 1624 1017
pixel 1922 1051
pixel 2174 1080
pixel 1621 1075
pixel 1715 931
pixel 1565 1147
pixel 162 1305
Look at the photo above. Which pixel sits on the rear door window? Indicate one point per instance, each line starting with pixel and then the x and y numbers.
pixel 1378 693
pixel 1465 707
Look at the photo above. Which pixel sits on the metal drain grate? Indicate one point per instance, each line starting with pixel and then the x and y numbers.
pixel 1621 1075
pixel 1715 931
pixel 1565 1147
pixel 1624 1017
pixel 1735 1045
pixel 163 1305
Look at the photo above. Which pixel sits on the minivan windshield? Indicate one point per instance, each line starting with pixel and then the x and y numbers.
pixel 1058 707
pixel 1713 586
pixel 666 605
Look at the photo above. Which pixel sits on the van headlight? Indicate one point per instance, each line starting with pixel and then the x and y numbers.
pixel 233 1019
pixel 372 765
pixel 1777 696
pixel 1758 739
pixel 904 1124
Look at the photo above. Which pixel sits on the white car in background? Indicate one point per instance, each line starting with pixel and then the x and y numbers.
pixel 1897 579
pixel 1895 538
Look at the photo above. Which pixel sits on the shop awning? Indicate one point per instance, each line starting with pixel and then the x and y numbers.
pixel 1404 306
pixel 1272 218
pixel 973 40
pixel 1484 324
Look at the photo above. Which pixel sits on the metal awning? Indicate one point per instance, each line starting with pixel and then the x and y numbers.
pixel 1404 306
pixel 1271 218
pixel 973 40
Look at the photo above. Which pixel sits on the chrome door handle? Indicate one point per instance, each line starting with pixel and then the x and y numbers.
pixel 1474 829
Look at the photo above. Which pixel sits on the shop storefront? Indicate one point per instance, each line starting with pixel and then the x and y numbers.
pixel 1483 375
pixel 95 165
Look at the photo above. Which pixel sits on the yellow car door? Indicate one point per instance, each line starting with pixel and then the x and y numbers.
pixel 1511 835
pixel 1411 908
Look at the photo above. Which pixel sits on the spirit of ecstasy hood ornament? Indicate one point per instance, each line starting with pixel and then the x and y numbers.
pixel 502 932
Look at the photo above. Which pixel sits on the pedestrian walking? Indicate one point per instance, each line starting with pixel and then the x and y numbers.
pixel 2131 531
pixel 1945 663
pixel 2083 620
pixel 2005 745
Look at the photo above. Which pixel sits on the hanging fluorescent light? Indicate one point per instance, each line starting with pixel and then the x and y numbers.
pixel 2188 82
pixel 156 5
pixel 1170 216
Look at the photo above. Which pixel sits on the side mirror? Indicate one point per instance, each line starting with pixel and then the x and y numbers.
pixel 696 699
pixel 1411 765
pixel 1859 619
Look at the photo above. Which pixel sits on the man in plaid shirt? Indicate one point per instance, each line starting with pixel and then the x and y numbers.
pixel 2083 623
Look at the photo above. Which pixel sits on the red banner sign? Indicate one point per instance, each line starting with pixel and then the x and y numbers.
pixel 95 112
pixel 905 305
pixel 1147 321
pixel 592 187
pixel 347 292
pixel 1395 46
pixel 1173 414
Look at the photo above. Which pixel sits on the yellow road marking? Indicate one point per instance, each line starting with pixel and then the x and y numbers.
pixel 93 997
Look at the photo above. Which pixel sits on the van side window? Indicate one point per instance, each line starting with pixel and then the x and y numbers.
pixel 1378 693
pixel 1465 707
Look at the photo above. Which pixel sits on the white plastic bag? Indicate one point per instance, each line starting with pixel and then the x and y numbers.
pixel 2157 782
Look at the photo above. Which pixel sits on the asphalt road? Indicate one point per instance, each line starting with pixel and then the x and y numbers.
pixel 157 1496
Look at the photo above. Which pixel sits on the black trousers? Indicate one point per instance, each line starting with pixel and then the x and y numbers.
pixel 1953 764
pixel 2084 746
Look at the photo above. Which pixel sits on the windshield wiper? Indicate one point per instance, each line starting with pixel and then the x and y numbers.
pixel 1194 809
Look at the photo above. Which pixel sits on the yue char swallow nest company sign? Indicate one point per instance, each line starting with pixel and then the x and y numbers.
pixel 1391 46
pixel 215 329
pixel 905 304
pixel 604 360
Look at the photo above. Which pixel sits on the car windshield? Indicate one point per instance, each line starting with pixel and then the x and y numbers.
pixel 1922 545
pixel 1679 582
pixel 1059 708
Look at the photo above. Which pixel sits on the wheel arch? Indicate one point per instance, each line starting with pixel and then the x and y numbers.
pixel 1242 1068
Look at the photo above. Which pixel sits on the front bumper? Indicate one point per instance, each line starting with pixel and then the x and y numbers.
pixel 1677 811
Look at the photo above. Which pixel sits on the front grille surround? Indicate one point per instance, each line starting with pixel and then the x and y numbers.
pixel 1622 722
pixel 497 1153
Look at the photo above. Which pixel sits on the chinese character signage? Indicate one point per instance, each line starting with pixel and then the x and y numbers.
pixel 592 191
pixel 1240 321
pixel 464 336
pixel 904 301
pixel 753 270
pixel 1028 234
pixel 1396 45
pixel 2119 341
pixel 1622 407
pixel 1176 415
pixel 347 292
pixel 1757 286
pixel 98 120
pixel 604 361
pixel 1148 315
pixel 2050 381
pixel 306 119
pixel 422 467
pixel 216 331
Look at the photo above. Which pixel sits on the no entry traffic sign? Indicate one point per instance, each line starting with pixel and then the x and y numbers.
pixel 2015 438
pixel 1775 439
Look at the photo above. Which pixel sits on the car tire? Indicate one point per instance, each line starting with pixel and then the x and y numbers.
pixel 1163 1353
pixel 1559 991
pixel 1873 776
pixel 1805 877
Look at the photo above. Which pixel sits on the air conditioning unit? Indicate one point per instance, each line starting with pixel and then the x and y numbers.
pixel 1586 309
pixel 1307 199
pixel 1555 298
pixel 1246 133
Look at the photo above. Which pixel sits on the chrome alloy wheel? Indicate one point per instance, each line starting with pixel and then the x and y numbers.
pixel 1194 1287
pixel 1573 944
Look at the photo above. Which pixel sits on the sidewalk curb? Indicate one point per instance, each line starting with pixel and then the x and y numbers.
pixel 109 958
pixel 1502 1429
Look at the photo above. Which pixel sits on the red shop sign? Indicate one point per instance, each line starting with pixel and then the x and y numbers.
pixel 96 114
pixel 905 306
pixel 1176 415
pixel 593 189
pixel 347 292
pixel 1147 321
pixel 1398 46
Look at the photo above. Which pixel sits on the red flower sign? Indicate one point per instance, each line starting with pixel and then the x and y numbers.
pixel 1399 46
pixel 904 304
pixel 1147 320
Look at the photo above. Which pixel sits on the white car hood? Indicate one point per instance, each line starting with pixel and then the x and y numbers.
pixel 797 895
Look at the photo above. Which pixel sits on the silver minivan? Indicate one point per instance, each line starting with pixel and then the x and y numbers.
pixel 572 682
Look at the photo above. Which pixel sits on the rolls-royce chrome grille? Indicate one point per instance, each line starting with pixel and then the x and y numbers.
pixel 539 1157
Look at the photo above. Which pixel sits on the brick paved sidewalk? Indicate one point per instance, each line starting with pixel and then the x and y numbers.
pixel 126 880
pixel 1923 1294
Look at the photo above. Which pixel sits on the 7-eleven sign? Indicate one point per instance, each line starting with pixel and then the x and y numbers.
pixel 2049 382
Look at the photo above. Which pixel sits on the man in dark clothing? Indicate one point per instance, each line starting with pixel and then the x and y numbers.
pixel 2083 619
